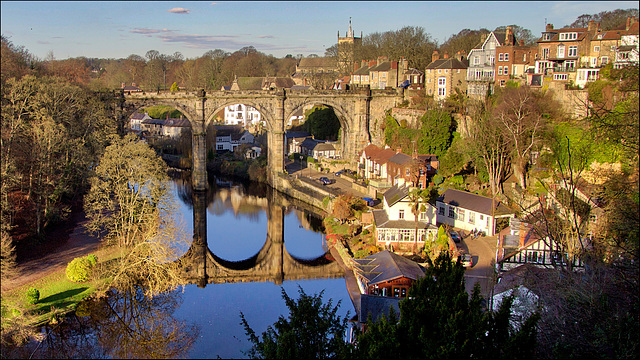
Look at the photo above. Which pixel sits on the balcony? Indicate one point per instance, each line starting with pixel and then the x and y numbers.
pixel 481 78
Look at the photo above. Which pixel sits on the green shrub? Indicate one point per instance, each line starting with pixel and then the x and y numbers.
pixel 78 269
pixel 438 179
pixel 92 259
pixel 33 295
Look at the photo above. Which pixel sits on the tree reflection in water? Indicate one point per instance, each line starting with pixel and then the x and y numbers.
pixel 123 324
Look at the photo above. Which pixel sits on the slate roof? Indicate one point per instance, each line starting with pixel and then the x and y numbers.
pixel 395 194
pixel 278 82
pixel 473 202
pixel 384 66
pixel 296 134
pixel 138 116
pixel 228 130
pixel 154 121
pixel 362 71
pixel 400 159
pixel 177 122
pixel 381 220
pixel 385 266
pixel 450 63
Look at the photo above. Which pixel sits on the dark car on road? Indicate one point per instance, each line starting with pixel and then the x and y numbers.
pixel 325 180
pixel 339 172
pixel 455 236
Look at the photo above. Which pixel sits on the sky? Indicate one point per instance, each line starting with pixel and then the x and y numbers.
pixel 112 29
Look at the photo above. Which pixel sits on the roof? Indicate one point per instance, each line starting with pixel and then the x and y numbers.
pixel 250 83
pixel 318 62
pixel 376 154
pixel 177 122
pixel 296 134
pixel 473 202
pixel 376 306
pixel 381 220
pixel 384 66
pixel 400 159
pixel 139 116
pixel 362 71
pixel 301 87
pixel 395 194
pixel 228 130
pixel 608 35
pixel 385 266
pixel 429 157
pixel 450 63
pixel 278 82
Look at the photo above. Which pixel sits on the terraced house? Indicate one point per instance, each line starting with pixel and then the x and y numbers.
pixel 482 62
pixel 444 76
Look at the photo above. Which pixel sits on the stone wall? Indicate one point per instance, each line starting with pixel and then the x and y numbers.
pixel 411 116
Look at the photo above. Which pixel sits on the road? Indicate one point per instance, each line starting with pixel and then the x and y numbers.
pixel 482 250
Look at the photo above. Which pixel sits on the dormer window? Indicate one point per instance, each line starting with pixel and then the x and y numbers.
pixel 568 36
pixel 546 36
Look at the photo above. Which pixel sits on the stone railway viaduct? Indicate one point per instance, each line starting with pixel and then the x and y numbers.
pixel 360 111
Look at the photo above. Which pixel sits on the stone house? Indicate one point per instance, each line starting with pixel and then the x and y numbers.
pixel 174 128
pixel 319 149
pixel 443 76
pixel 467 211
pixel 360 75
pixel 395 225
pixel 414 78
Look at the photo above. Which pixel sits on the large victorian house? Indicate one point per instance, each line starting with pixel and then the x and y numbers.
pixel 470 212
pixel 482 62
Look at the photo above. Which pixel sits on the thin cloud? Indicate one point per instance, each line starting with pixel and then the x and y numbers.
pixel 43 42
pixel 266 36
pixel 179 10
pixel 146 31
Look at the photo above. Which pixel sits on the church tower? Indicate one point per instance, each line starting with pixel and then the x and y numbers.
pixel 347 47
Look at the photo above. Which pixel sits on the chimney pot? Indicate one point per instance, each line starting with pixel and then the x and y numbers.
pixel 549 27
pixel 435 55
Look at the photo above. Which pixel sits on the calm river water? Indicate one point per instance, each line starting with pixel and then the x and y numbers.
pixel 205 321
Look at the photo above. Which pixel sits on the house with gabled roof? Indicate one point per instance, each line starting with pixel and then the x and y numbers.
pixel 482 61
pixel 386 274
pixel 229 137
pixel 395 224
pixel 416 170
pixel 468 211
pixel 372 163
pixel 319 148
pixel 444 75
pixel 135 122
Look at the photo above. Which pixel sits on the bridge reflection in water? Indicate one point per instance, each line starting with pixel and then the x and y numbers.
pixel 272 263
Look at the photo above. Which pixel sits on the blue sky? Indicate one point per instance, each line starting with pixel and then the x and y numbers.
pixel 117 29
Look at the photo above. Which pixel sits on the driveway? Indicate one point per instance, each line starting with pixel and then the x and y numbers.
pixel 483 251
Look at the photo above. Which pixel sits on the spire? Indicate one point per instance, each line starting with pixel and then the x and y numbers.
pixel 350 30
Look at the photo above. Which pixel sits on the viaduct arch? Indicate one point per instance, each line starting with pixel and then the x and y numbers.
pixel 356 109
pixel 272 262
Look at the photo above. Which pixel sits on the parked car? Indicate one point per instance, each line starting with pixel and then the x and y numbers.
pixel 466 260
pixel 325 180
pixel 455 236
pixel 339 172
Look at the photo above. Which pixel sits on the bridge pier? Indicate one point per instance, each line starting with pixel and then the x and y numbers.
pixel 275 236
pixel 199 146
pixel 276 141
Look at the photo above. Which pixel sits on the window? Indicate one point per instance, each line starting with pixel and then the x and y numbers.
pixel 481 217
pixel 596 48
pixel 560 51
pixel 220 147
pixel 605 60
pixel 545 53
pixel 500 57
pixel 568 36
pixel 423 215
pixel 446 71
pixel 502 82
pixel 441 210
pixel 546 37
pixel 452 212
pixel 573 51
pixel 524 57
pixel 506 56
pixel 476 60
pixel 506 70
pixel 560 77
pixel 499 70
pixel 472 217
pixel 407 172
pixel 442 81
pixel 439 71
pixel 401 214
pixel 594 61
pixel 460 215
pixel 569 65
pixel 429 81
pixel 442 92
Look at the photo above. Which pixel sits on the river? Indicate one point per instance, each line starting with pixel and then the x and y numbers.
pixel 203 321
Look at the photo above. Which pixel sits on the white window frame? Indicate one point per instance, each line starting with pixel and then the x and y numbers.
pixel 506 56
pixel 499 70
pixel 596 48
pixel 561 49
pixel 573 51
pixel 501 57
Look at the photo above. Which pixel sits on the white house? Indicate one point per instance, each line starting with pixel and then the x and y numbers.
pixel 627 52
pixel 396 225
pixel 135 123
pixel 481 70
pixel 467 211
pixel 373 160
pixel 229 137
pixel 240 114
pixel 319 148
pixel 173 128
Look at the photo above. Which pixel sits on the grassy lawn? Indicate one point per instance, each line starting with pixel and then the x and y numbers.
pixel 57 294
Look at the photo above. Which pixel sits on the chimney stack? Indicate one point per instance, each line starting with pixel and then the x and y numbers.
pixel 435 56
pixel 549 27
pixel 445 56
pixel 592 26
pixel 521 42
pixel 508 36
